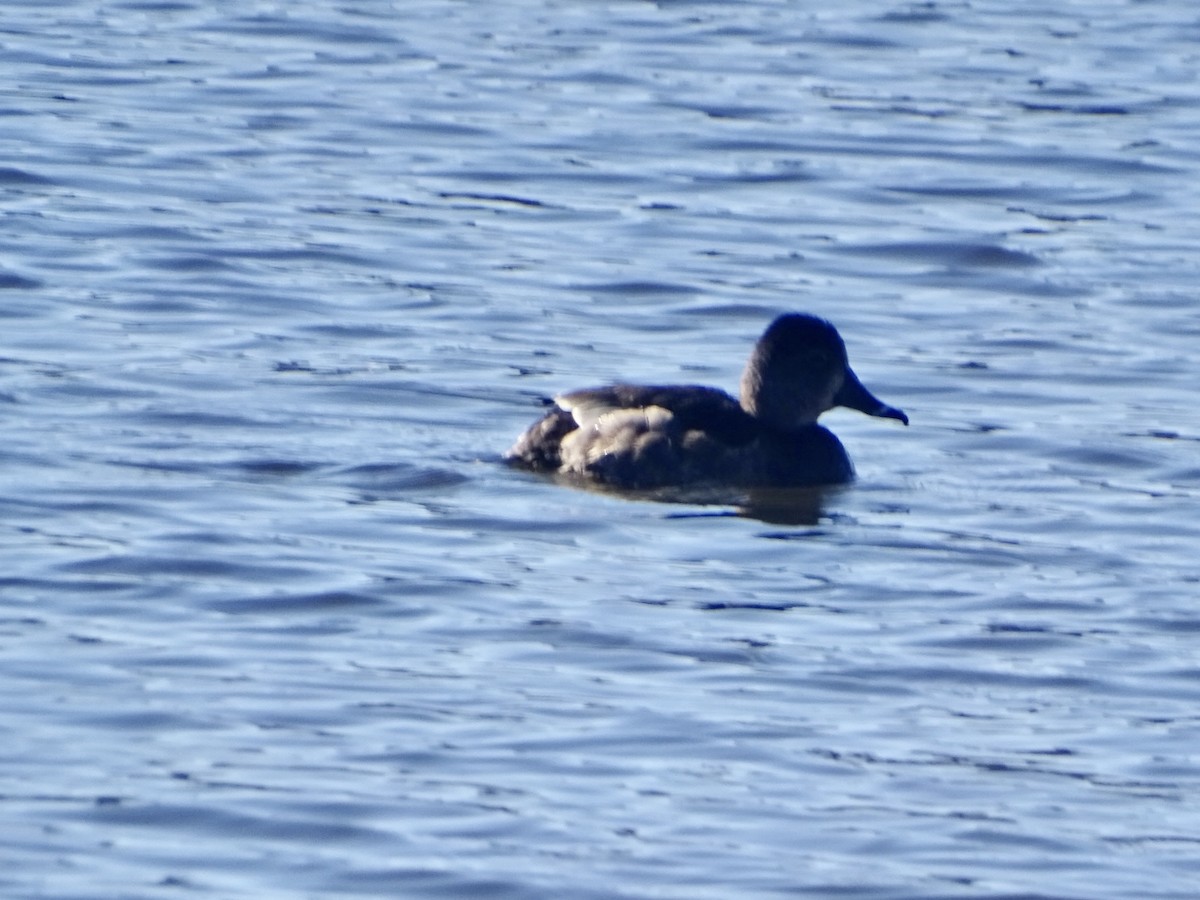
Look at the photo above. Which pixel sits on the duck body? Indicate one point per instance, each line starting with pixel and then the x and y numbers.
pixel 644 436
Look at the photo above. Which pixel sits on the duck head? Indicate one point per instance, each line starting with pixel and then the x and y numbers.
pixel 798 370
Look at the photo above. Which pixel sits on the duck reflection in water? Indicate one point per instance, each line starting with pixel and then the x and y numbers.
pixel 685 442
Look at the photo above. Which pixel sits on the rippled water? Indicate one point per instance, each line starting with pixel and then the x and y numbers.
pixel 281 281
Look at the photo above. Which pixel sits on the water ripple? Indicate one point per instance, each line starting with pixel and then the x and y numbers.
pixel 281 285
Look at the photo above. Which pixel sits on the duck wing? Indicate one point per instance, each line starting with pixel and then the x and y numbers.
pixel 690 407
pixel 639 436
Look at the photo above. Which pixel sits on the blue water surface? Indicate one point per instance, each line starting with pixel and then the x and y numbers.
pixel 279 283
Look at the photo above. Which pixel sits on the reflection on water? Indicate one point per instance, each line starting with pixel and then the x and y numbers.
pixel 779 506
pixel 790 506
pixel 279 286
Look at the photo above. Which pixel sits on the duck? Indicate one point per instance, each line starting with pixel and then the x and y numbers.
pixel 643 437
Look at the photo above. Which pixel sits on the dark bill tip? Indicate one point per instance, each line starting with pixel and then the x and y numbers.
pixel 853 395
pixel 890 412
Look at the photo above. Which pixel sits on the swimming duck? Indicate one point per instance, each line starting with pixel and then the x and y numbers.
pixel 638 437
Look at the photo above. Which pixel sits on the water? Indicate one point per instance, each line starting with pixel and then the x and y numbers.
pixel 281 281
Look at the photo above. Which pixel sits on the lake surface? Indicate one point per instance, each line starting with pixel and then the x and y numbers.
pixel 280 282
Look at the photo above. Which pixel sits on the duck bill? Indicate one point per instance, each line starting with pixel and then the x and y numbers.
pixel 853 395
